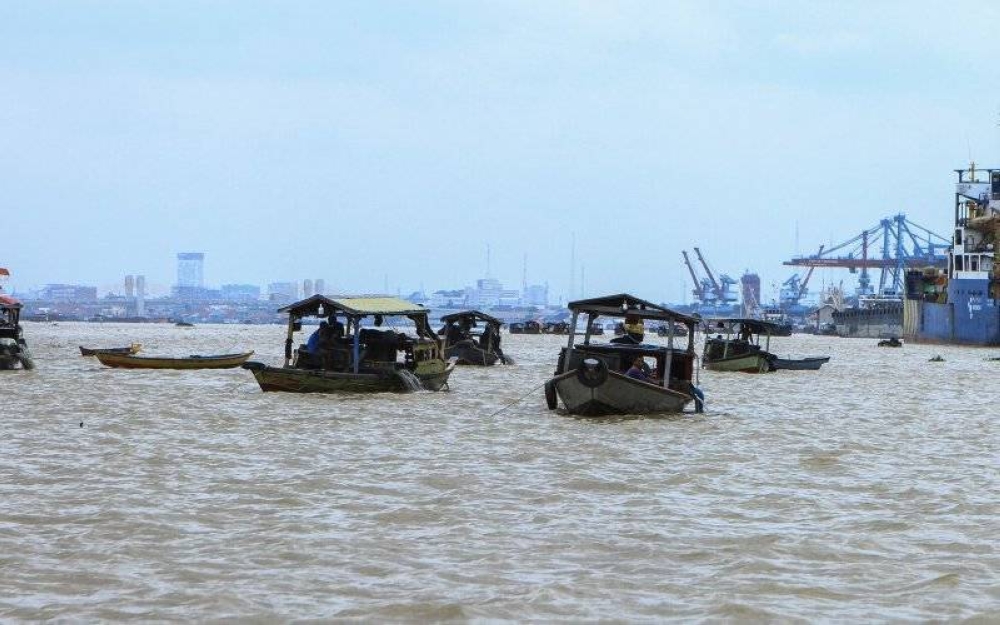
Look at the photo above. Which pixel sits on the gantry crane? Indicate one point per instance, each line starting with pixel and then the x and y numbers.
pixel 903 244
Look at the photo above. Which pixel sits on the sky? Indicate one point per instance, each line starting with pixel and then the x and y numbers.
pixel 391 144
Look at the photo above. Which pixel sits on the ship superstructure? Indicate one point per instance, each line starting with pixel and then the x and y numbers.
pixel 960 303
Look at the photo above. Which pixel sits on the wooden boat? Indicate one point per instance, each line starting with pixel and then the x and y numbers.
pixel 184 324
pixel 529 326
pixel 355 359
pixel 468 348
pixel 131 349
pixel 591 379
pixel 740 350
pixel 554 326
pixel 14 351
pixel 890 342
pixel 799 364
pixel 664 330
pixel 128 361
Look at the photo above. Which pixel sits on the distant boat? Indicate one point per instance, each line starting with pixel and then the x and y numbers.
pixel 679 330
pixel 184 324
pixel 799 364
pixel 529 326
pixel 469 348
pixel 13 347
pixel 92 351
pixel 740 350
pixel 128 361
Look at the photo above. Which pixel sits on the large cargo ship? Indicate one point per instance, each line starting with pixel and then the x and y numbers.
pixel 960 304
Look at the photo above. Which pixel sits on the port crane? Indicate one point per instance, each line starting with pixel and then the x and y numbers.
pixel 709 291
pixel 795 288
pixel 903 244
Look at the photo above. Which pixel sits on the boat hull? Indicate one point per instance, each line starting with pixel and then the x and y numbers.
pixel 757 362
pixel 799 364
pixel 471 355
pixel 15 355
pixel 126 361
pixel 616 395
pixel 292 380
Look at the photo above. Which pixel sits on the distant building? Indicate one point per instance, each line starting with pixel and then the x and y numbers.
pixel 536 295
pixel 307 288
pixel 320 286
pixel 447 299
pixel 130 286
pixel 190 270
pixel 283 291
pixel 418 297
pixel 190 277
pixel 239 292
pixel 68 293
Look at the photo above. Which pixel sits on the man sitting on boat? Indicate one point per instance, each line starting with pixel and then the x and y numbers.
pixel 490 341
pixel 317 337
pixel 640 370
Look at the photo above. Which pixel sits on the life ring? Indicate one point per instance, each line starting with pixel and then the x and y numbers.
pixel 550 395
pixel 592 372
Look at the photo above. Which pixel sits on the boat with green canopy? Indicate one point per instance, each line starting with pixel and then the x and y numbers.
pixel 736 346
pixel 351 352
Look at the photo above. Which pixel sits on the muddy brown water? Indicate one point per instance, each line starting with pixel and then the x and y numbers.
pixel 867 490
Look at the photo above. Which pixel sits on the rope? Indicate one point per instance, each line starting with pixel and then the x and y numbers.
pixel 517 401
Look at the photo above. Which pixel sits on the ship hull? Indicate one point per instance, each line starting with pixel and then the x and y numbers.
pixel 873 324
pixel 968 318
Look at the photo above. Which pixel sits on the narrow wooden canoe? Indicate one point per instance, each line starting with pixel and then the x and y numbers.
pixel 92 351
pixel 127 361
pixel 799 364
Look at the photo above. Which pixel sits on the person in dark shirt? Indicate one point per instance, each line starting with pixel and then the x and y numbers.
pixel 313 344
pixel 638 370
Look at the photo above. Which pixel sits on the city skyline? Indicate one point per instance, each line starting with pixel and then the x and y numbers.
pixel 379 144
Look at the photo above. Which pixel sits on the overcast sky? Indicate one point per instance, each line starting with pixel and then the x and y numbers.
pixel 374 143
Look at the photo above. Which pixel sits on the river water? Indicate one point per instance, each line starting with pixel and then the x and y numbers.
pixel 864 491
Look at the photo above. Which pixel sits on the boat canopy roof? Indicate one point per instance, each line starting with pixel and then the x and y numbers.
pixel 471 314
pixel 353 305
pixel 757 326
pixel 624 304
pixel 6 301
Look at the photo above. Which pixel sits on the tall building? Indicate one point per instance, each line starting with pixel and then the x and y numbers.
pixel 190 270
pixel 129 286
pixel 190 276
pixel 320 286
pixel 307 288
